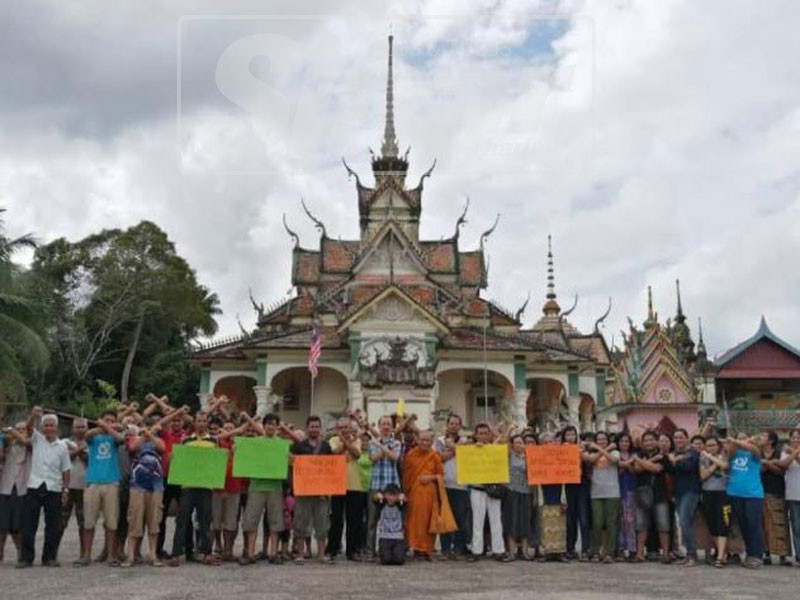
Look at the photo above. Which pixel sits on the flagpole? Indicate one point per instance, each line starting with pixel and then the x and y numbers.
pixel 311 407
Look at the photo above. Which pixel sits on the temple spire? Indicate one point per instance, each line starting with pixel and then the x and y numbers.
pixel 551 306
pixel 679 317
pixel 701 345
pixel 651 317
pixel 389 146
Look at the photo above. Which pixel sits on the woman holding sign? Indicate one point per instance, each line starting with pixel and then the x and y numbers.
pixel 427 501
pixel 517 505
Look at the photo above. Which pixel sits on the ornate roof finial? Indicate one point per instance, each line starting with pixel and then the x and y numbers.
pixel 551 306
pixel 679 317
pixel 350 172
pixel 462 219
pixel 317 223
pixel 389 146
pixel 602 318
pixel 292 234
pixel 521 309
pixel 485 235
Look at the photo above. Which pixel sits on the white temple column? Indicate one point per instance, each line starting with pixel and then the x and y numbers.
pixel 574 404
pixel 355 396
pixel 262 393
pixel 520 412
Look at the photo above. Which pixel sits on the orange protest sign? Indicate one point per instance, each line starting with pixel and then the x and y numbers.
pixel 553 464
pixel 319 475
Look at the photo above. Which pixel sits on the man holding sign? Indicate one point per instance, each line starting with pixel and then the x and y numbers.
pixel 266 495
pixel 195 499
pixel 311 512
pixel 488 469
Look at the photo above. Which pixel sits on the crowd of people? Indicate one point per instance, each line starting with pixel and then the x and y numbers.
pixel 643 495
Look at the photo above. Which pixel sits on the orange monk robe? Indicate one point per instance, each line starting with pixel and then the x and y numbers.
pixel 421 498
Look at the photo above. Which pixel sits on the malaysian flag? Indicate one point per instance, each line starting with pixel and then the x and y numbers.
pixel 314 351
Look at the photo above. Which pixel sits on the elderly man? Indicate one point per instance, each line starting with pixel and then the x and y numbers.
pixel 353 505
pixel 384 453
pixel 48 485
pixel 14 484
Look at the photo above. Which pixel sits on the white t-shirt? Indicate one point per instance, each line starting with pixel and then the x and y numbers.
pixel 792 478
pixel 49 461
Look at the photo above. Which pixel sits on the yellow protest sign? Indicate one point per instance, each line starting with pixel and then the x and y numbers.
pixel 401 407
pixel 482 464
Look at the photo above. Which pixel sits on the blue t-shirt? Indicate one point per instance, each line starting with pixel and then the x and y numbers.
pixel 146 473
pixel 744 476
pixel 103 466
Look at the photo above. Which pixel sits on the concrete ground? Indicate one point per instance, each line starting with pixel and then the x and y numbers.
pixel 440 580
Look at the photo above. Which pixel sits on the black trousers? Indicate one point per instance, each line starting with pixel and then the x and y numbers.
pixel 36 500
pixel 352 509
pixel 392 552
pixel 171 492
pixel 199 500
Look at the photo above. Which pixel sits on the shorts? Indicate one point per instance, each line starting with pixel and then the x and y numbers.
pixel 312 513
pixel 101 497
pixel 11 512
pixel 658 513
pixel 717 511
pixel 224 511
pixel 144 510
pixel 74 502
pixel 257 504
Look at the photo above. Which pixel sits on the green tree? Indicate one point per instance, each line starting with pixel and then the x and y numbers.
pixel 118 299
pixel 22 349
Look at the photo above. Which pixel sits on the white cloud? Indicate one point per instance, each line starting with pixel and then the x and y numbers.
pixel 654 140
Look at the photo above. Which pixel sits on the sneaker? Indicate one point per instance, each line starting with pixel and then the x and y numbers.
pixel 81 562
pixel 23 564
pixel 752 563
pixel 246 560
pixel 51 563
pixel 473 558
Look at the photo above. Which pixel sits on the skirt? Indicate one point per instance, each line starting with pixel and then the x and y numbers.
pixel 553 524
pixel 516 514
pixel 776 527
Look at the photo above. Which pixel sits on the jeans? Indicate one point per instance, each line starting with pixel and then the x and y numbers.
pixel 577 516
pixel 794 522
pixel 35 500
pixel 457 541
pixel 392 552
pixel 687 505
pixel 193 499
pixel 748 513
pixel 605 515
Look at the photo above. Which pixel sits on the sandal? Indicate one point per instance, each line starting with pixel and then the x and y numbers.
pixel 155 563
pixel 211 560
pixel 126 564
pixel 720 564
pixel 81 562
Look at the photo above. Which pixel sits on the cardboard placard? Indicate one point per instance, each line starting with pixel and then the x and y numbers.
pixel 476 465
pixel 553 464
pixel 261 457
pixel 198 467
pixel 319 475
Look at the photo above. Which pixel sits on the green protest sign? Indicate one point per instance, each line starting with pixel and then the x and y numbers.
pixel 261 458
pixel 197 467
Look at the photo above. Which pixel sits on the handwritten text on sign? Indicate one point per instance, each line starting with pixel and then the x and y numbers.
pixel 319 475
pixel 553 464
pixel 482 464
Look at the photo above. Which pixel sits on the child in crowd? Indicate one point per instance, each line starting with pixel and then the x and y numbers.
pixel 391 542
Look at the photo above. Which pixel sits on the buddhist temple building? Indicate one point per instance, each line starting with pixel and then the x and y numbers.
pixel 404 318
pixel 660 379
pixel 758 383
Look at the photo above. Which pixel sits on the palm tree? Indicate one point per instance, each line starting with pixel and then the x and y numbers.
pixel 21 347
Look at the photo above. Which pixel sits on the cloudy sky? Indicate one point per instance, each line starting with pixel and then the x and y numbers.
pixel 652 140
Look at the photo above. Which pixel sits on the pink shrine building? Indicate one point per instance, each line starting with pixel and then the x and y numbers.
pixel 659 378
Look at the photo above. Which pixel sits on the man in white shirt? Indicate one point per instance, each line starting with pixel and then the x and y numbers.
pixel 48 486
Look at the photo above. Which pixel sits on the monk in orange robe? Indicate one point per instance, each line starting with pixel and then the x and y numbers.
pixel 422 472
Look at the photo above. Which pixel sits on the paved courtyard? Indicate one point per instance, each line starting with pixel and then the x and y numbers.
pixel 489 580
